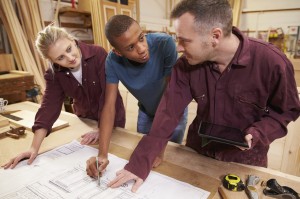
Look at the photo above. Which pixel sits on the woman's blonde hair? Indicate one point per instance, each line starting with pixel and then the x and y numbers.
pixel 48 36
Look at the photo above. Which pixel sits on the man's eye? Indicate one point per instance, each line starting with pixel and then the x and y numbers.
pixel 142 38
pixel 130 48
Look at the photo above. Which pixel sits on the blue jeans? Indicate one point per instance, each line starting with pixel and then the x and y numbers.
pixel 144 124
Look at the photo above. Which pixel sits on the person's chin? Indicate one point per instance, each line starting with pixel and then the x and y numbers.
pixel 145 59
pixel 75 65
pixel 190 61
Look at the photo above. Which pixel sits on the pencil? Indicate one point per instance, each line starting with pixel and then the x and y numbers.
pixel 97 163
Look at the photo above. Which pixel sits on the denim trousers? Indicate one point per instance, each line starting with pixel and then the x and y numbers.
pixel 144 124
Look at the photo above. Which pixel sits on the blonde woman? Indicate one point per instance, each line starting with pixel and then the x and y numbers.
pixel 77 70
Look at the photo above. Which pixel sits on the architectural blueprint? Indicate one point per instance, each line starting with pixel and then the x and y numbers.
pixel 60 174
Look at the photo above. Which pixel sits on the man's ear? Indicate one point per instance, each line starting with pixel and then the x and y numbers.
pixel 117 52
pixel 216 36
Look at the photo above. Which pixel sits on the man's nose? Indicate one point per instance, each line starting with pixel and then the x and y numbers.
pixel 179 48
pixel 69 56
pixel 141 48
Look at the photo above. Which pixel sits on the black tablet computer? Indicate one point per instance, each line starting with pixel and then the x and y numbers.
pixel 223 134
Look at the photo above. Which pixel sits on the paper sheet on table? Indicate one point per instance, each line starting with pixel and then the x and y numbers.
pixel 60 173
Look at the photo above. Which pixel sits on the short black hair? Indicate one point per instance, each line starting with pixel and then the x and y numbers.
pixel 116 26
pixel 208 14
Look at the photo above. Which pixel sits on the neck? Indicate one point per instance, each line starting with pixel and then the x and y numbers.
pixel 226 51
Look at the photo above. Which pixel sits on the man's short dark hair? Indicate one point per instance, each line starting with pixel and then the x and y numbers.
pixel 116 26
pixel 208 14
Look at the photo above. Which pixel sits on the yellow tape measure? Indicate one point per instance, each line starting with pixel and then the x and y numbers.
pixel 233 183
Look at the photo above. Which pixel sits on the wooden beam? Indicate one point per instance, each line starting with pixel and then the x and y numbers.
pixel 270 10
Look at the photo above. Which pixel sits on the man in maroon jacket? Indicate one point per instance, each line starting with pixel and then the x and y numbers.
pixel 236 81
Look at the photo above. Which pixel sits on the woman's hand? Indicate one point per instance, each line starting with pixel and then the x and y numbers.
pixel 30 154
pixel 90 137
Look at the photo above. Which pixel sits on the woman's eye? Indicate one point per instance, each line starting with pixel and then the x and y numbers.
pixel 69 49
pixel 60 58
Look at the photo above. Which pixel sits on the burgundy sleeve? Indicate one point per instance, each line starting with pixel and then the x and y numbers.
pixel 284 105
pixel 175 99
pixel 51 105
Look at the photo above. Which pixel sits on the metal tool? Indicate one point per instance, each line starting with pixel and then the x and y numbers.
pixel 97 163
pixel 233 183
pixel 250 186
pixel 14 132
pixel 273 189
pixel 8 115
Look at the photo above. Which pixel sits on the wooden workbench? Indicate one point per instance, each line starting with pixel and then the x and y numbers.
pixel 180 162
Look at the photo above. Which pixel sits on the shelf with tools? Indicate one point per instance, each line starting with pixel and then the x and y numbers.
pixel 78 22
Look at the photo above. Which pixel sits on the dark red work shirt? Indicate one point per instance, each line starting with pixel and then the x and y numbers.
pixel 88 98
pixel 257 89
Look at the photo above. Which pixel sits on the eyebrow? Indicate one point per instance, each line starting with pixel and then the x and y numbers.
pixel 133 43
pixel 182 38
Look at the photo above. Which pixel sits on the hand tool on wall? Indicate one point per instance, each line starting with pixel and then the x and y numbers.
pixel 273 189
pixel 250 186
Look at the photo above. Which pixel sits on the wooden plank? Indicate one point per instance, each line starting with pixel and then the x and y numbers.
pixel 27 120
pixel 7 62
pixel 291 153
pixel 179 161
pixel 3 121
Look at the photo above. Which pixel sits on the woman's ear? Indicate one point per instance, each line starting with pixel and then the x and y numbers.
pixel 117 52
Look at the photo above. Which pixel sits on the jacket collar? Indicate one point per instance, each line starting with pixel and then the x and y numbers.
pixel 86 52
pixel 242 56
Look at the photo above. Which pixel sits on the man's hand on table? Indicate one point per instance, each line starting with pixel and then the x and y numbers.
pixel 30 155
pixel 124 176
pixel 90 137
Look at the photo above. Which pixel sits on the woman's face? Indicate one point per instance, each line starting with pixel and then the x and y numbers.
pixel 65 53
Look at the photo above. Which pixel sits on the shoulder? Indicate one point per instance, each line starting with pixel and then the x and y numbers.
pixel 90 50
pixel 156 38
pixel 113 59
pixel 268 52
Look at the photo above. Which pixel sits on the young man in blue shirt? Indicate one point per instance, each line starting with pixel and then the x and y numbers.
pixel 143 63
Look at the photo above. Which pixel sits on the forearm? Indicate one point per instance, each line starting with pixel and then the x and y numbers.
pixel 105 130
pixel 38 138
pixel 272 127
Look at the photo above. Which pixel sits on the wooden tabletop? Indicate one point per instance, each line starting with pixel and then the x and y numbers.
pixel 180 162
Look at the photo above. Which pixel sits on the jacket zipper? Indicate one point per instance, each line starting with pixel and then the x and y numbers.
pixel 265 109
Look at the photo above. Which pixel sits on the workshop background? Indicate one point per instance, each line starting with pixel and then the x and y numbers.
pixel 276 21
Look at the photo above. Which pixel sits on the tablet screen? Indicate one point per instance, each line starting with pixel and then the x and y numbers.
pixel 224 134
